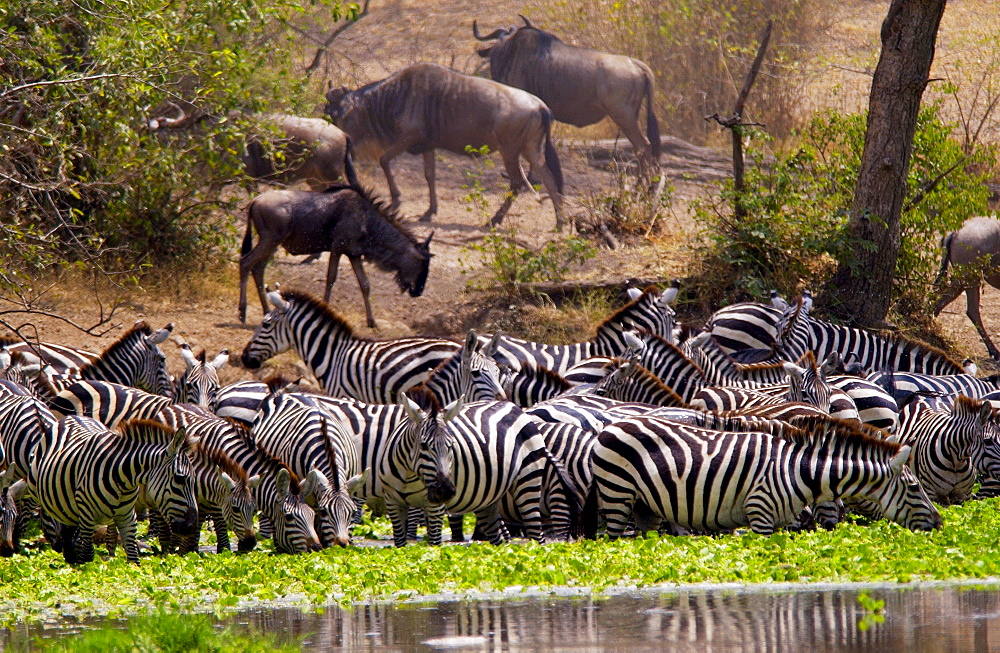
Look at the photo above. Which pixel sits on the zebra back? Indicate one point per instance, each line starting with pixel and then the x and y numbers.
pixel 903 386
pixel 631 382
pixel 135 359
pixel 345 365
pixel 25 423
pixel 109 403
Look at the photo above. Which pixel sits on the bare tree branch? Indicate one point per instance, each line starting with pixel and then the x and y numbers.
pixel 321 52
pixel 59 82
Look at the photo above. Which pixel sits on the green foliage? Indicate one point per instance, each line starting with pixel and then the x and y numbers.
pixel 509 264
pixel 629 208
pixel 965 548
pixel 83 177
pixel 165 633
pixel 797 208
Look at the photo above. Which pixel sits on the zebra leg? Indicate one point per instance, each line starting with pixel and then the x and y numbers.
pixel 829 514
pixel 111 539
pixel 159 528
pixel 221 532
pixel 414 517
pixel 645 519
pixel 126 527
pixel 27 508
pixel 53 532
pixel 455 523
pixel 68 540
pixel 492 527
pixel 397 515
pixel 435 519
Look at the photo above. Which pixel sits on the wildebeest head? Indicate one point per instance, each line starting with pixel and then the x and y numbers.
pixel 339 103
pixel 501 35
pixel 411 276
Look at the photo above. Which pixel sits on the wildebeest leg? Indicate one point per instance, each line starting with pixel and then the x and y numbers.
pixel 309 259
pixel 518 182
pixel 331 274
pixel 429 172
pixel 359 272
pixel 948 295
pixel 254 263
pixel 972 310
pixel 640 144
pixel 538 165
pixel 383 161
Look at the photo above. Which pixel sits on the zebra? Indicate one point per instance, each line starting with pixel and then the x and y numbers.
pixel 905 387
pixel 296 430
pixel 875 406
pixel 61 358
pixel 345 365
pixel 718 480
pixel 529 386
pixel 241 400
pixel 109 403
pixel 948 447
pixel 755 326
pixel 223 492
pixel 10 493
pixel 649 309
pixel 465 458
pixel 91 475
pixel 199 385
pixel 471 372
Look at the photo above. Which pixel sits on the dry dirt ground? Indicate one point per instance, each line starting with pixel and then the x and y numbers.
pixel 204 308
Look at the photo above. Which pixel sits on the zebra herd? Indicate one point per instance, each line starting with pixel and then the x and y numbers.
pixel 648 425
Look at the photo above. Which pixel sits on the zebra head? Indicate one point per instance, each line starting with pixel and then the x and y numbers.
pixel 807 382
pixel 272 337
pixel 292 518
pixel 170 484
pixel 480 377
pixel 199 384
pixel 151 364
pixel 650 310
pixel 238 507
pixel 8 512
pixel 901 498
pixel 431 457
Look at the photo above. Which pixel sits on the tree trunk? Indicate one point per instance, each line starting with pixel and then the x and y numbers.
pixel 861 290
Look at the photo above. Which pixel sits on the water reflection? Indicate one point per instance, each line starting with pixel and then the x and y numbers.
pixel 705 621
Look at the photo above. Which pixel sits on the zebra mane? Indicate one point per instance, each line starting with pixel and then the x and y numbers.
pixel 907 345
pixel 660 341
pixel 331 454
pixel 968 404
pixel 246 438
pixel 222 460
pixel 139 329
pixel 736 422
pixel 424 399
pixel 147 429
pixel 819 429
pixel 644 378
pixel 807 360
pixel 535 372
pixel 315 305
pixel 616 317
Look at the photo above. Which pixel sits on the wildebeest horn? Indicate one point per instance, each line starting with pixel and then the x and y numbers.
pixel 497 33
pixel 527 23
pixel 427 243
pixel 164 122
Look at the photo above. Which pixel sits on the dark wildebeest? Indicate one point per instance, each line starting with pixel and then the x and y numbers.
pixel 426 106
pixel 342 220
pixel 312 150
pixel 579 85
pixel 976 246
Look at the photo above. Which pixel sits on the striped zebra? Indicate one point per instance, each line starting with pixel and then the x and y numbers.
pixel 90 476
pixel 471 372
pixel 876 407
pixel 465 458
pixel 586 411
pixel 949 447
pixel 905 387
pixel 296 430
pixel 717 480
pixel 109 403
pixel 755 326
pixel 649 310
pixel 10 493
pixel 530 385
pixel 345 365
pixel 199 385
pixel 60 357
pixel 241 400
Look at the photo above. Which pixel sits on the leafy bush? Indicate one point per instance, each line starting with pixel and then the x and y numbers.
pixel 629 208
pixel 510 264
pixel 797 211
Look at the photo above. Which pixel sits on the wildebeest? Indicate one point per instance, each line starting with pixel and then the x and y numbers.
pixel 426 106
pixel 976 246
pixel 312 150
pixel 579 85
pixel 342 220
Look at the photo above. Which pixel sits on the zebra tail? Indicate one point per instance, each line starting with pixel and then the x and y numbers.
pixel 248 238
pixel 572 498
pixel 946 245
pixel 590 516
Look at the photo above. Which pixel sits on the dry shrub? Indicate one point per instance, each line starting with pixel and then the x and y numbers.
pixel 700 51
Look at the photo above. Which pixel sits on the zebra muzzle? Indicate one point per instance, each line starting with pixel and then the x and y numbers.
pixel 441 490
pixel 6 549
pixel 247 544
pixel 249 361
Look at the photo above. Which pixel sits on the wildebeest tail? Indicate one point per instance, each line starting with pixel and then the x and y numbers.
pixel 946 245
pixel 349 173
pixel 652 127
pixel 551 158
pixel 248 238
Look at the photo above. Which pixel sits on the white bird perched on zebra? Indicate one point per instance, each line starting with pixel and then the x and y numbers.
pixel 670 294
pixel 778 302
pixel 970 367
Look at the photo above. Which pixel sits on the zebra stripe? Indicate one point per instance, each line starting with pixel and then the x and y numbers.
pixel 92 475
pixel 199 385
pixel 903 386
pixel 755 326
pixel 9 495
pixel 135 359
pixel 316 444
pixel 471 372
pixel 650 311
pixel 240 401
pixel 716 480
pixel 60 357
pixel 948 447
pixel 344 364
pixel 109 403
pixel 875 406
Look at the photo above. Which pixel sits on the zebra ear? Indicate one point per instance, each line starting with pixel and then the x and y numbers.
pixel 411 408
pixel 6 478
pixel 494 344
pixel 355 483
pixel 791 369
pixel 900 458
pixel 221 360
pixel 4 359
pixel 226 479
pixel 17 489
pixel 281 483
pixel 254 481
pixel 634 294
pixel 160 336
pixel 188 356
pixel 633 341
pixel 315 481
pixel 471 344
pixel 986 413
pixel 452 409
pixel 179 441
pixel 277 300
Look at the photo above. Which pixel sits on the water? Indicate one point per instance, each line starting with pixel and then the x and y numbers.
pixel 938 619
